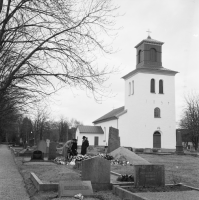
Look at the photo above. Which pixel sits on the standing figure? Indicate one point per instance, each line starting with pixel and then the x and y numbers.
pixel 85 145
pixel 74 147
pixel 67 148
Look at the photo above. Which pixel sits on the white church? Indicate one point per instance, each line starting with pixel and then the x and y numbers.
pixel 147 119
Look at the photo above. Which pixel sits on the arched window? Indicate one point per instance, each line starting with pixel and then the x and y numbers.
pixel 157 113
pixel 161 86
pixel 153 55
pixel 132 87
pixel 152 85
pixel 139 56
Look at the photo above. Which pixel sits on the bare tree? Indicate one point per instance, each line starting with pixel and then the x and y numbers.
pixel 45 41
pixel 63 130
pixel 74 123
pixel 190 119
pixel 26 130
pixel 40 124
pixel 9 112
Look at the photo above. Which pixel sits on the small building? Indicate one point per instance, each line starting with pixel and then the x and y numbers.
pixel 95 135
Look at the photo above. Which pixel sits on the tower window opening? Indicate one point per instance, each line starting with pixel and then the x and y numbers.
pixel 153 55
pixel 152 85
pixel 132 87
pixel 139 56
pixel 160 86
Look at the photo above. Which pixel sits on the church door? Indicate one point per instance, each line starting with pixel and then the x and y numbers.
pixel 156 140
pixel 96 141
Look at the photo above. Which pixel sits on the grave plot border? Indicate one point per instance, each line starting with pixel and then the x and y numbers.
pixel 125 194
pixel 43 186
pixel 54 186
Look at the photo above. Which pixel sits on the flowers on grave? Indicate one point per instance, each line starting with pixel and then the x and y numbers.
pixel 126 178
pixel 79 196
pixel 81 157
pixel 120 162
pixel 60 160
pixel 106 156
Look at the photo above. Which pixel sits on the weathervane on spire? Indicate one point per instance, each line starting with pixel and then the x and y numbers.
pixel 149 37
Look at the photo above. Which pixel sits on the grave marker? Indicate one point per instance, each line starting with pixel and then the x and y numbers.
pixel 179 147
pixel 71 188
pixel 42 146
pixel 149 175
pixel 114 139
pixel 52 150
pixel 97 170
pixel 37 155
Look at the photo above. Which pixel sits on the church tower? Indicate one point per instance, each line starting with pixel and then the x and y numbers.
pixel 149 100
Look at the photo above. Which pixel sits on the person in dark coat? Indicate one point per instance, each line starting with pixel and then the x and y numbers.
pixel 74 147
pixel 85 145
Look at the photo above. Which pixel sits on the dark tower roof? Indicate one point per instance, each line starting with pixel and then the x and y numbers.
pixel 149 40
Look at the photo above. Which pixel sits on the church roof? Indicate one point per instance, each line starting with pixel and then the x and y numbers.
pixel 90 129
pixel 153 70
pixel 151 41
pixel 114 114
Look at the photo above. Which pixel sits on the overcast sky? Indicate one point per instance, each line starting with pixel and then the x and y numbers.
pixel 174 22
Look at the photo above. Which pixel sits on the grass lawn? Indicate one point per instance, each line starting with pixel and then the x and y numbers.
pixel 183 169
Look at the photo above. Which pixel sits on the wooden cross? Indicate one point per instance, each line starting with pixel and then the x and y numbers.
pixel 148 32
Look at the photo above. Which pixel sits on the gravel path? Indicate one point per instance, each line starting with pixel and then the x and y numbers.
pixel 11 181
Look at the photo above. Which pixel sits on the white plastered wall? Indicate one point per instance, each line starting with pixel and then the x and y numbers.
pixel 137 126
pixel 91 138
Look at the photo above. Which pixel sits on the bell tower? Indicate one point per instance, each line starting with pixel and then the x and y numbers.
pixel 149 53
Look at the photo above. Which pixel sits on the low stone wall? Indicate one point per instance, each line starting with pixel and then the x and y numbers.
pixel 125 194
pixel 43 186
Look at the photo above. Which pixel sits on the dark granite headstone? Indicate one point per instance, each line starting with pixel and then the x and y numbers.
pixel 97 170
pixel 37 155
pixel 42 146
pixel 179 147
pixel 52 151
pixel 149 175
pixel 71 188
pixel 114 139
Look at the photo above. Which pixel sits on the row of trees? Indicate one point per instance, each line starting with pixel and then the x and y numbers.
pixel 46 45
pixel 29 132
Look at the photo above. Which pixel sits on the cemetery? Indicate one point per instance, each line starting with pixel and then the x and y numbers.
pixel 123 173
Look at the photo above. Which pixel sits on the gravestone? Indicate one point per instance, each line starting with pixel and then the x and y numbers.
pixel 114 139
pixel 47 145
pixel 37 155
pixel 148 150
pixel 52 151
pixel 97 170
pixel 149 175
pixel 179 147
pixel 71 188
pixel 42 146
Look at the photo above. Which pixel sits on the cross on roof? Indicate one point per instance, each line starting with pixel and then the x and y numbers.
pixel 149 33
